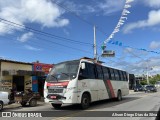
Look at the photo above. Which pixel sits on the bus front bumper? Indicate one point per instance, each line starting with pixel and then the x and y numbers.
pixel 56 98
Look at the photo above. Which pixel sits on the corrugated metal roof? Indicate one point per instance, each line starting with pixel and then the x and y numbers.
pixel 13 61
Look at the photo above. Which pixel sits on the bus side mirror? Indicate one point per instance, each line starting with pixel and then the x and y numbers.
pixel 83 66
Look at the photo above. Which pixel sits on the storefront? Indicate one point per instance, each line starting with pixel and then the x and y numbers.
pixel 16 75
pixel 38 81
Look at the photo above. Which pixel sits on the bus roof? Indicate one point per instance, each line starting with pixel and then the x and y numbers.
pixel 98 62
pixel 86 59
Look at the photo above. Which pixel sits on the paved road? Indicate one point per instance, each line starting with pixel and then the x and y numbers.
pixel 138 101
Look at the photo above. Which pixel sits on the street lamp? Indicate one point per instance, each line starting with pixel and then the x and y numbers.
pixel 147 75
pixel 148 68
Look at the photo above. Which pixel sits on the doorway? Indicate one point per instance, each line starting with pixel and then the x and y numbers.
pixel 41 81
pixel 19 82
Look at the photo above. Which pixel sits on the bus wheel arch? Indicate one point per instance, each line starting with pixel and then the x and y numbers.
pixel 85 100
pixel 119 95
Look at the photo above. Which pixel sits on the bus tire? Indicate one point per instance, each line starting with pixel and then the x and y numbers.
pixel 119 96
pixel 1 105
pixel 56 106
pixel 85 101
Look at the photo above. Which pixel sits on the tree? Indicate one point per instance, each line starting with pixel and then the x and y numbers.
pixel 143 82
pixel 154 79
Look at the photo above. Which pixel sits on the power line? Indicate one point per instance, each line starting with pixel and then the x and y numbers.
pixel 73 13
pixel 82 19
pixel 40 32
pixel 91 24
pixel 36 44
pixel 47 36
pixel 38 38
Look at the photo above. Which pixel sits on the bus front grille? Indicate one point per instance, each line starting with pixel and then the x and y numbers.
pixel 55 90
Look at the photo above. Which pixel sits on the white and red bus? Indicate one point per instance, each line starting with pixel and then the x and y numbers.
pixel 83 81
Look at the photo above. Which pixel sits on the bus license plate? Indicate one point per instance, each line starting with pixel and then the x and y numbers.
pixel 53 97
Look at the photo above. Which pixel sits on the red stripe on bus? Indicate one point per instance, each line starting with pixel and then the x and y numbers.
pixel 58 84
pixel 111 88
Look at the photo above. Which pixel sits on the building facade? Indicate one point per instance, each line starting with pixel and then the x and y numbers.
pixel 16 75
pixel 38 81
pixel 12 75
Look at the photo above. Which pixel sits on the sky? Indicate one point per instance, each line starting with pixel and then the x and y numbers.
pixel 52 31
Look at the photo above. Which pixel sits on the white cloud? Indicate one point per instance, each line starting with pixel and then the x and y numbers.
pixel 152 3
pixel 42 12
pixel 110 6
pixel 154 45
pixel 25 37
pixel 140 67
pixel 104 7
pixel 153 20
pixel 31 48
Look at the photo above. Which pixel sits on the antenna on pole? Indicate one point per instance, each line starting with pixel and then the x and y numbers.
pixel 95 45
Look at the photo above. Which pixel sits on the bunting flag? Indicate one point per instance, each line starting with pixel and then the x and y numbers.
pixel 118 43
pixel 121 21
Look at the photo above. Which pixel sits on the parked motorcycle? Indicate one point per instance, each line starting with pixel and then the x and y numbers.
pixel 27 97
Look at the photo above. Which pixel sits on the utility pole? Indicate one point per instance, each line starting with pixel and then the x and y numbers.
pixel 147 78
pixel 147 74
pixel 95 45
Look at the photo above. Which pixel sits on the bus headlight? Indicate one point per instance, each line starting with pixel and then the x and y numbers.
pixel 69 89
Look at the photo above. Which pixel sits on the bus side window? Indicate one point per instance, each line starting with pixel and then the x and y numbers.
pixel 112 74
pixel 83 73
pixel 88 72
pixel 116 74
pixel 99 72
pixel 91 71
pixel 124 78
pixel 120 76
pixel 106 73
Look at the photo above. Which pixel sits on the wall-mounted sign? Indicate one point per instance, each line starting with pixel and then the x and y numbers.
pixel 108 53
pixel 42 67
pixel 6 83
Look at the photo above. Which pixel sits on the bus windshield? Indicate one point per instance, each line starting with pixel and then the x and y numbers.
pixel 63 71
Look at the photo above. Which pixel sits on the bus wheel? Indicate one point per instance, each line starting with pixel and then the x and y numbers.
pixel 85 101
pixel 1 105
pixel 119 95
pixel 56 106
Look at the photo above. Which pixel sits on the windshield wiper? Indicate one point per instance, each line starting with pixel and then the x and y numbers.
pixel 65 74
pixel 54 77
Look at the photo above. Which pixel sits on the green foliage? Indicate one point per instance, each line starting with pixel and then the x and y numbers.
pixel 152 80
pixel 143 82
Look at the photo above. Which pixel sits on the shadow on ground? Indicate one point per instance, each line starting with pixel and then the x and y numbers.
pixel 100 104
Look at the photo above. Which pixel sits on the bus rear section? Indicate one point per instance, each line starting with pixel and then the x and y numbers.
pixel 82 82
pixel 101 82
